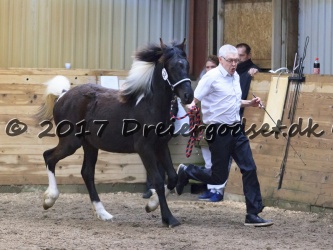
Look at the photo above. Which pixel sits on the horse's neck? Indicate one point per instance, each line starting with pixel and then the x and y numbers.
pixel 162 93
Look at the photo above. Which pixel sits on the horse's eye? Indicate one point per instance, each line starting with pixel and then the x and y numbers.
pixel 181 64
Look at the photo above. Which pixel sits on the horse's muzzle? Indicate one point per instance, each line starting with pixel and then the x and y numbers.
pixel 188 98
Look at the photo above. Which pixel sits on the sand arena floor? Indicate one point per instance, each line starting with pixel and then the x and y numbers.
pixel 71 224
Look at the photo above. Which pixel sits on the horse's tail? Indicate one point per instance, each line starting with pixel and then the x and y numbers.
pixel 57 86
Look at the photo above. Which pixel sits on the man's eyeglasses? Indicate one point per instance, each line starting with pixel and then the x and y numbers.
pixel 231 60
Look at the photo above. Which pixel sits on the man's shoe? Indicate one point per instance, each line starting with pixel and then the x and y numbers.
pixel 216 197
pixel 147 194
pixel 206 195
pixel 255 221
pixel 182 179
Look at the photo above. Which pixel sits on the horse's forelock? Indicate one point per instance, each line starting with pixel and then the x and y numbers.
pixel 151 53
pixel 154 53
pixel 170 52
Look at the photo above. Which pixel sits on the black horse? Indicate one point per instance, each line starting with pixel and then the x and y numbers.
pixel 135 119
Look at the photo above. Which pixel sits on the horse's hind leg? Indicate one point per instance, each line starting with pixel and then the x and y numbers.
pixel 165 162
pixel 51 194
pixel 165 159
pixel 88 175
pixel 51 157
pixel 153 201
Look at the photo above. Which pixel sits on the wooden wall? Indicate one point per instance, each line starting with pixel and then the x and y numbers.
pixel 310 184
pixel 21 160
pixel 250 21
pixel 270 27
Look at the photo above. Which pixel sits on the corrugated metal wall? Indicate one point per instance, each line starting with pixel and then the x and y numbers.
pixel 316 21
pixel 86 33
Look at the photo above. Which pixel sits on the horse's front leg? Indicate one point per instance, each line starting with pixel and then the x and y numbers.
pixel 88 175
pixel 149 160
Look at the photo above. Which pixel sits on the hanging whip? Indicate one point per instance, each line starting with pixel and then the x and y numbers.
pixel 299 79
pixel 263 107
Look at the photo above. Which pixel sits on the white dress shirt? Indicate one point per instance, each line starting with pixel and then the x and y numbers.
pixel 220 95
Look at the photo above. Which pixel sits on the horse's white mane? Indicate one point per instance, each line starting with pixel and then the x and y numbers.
pixel 138 81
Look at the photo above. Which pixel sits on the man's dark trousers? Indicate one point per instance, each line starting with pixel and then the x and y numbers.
pixel 229 141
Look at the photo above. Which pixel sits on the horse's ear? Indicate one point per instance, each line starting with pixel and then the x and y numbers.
pixel 163 46
pixel 182 45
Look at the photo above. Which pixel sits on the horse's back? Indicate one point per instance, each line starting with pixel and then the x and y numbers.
pixel 98 110
pixel 76 102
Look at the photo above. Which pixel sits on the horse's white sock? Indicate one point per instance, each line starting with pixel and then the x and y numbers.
pixel 100 211
pixel 52 193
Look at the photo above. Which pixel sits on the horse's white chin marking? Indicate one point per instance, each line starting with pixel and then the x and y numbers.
pixel 100 211
pixel 51 194
pixel 153 202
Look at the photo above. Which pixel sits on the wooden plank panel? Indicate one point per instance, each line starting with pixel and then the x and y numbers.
pixel 18 110
pixel 324 201
pixel 40 79
pixel 70 174
pixel 17 149
pixel 60 71
pixel 22 162
pixel 275 101
pixel 256 18
pixel 296 196
pixel 21 99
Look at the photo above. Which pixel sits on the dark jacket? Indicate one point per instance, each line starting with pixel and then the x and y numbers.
pixel 245 79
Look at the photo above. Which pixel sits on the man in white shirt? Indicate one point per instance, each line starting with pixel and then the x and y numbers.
pixel 220 95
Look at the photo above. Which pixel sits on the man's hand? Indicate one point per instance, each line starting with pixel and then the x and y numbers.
pixel 192 107
pixel 256 102
pixel 253 71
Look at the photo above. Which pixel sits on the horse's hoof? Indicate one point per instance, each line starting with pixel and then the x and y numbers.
pixel 50 198
pixel 105 216
pixel 108 217
pixel 45 206
pixel 100 211
pixel 172 223
pixel 48 203
pixel 154 202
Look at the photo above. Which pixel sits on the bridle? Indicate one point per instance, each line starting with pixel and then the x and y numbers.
pixel 165 78
pixel 194 122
